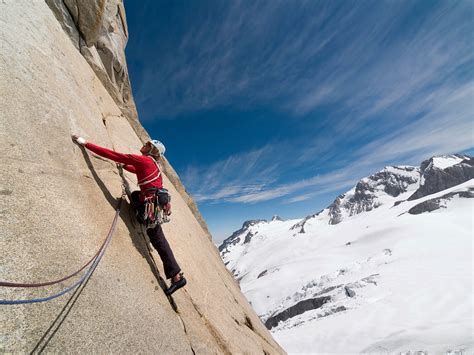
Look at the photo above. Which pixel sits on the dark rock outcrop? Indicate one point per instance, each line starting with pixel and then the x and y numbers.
pixel 248 237
pixel 335 213
pixel 436 179
pixel 301 224
pixel 437 203
pixel 349 292
pixel 299 308
pixel 392 181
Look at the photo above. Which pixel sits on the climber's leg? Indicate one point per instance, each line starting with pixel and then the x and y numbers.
pixel 158 240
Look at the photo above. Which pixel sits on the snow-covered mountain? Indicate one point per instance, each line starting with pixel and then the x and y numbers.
pixel 387 267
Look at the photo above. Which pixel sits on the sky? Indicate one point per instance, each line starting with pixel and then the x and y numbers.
pixel 276 107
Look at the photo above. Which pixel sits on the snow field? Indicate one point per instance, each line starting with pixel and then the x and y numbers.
pixel 421 264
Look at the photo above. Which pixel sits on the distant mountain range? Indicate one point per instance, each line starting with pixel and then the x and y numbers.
pixel 386 267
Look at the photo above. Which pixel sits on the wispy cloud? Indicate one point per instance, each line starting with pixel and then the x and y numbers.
pixel 446 127
pixel 324 183
pixel 381 67
pixel 393 80
pixel 262 183
pixel 239 51
pixel 243 173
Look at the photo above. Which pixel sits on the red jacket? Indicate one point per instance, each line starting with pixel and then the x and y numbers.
pixel 145 167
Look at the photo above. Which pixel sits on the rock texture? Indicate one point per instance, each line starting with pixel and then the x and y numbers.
pixel 57 202
pixel 235 237
pixel 301 224
pixel 98 29
pixel 435 179
pixel 434 175
pixel 369 193
pixel 299 308
pixel 391 181
pixel 434 204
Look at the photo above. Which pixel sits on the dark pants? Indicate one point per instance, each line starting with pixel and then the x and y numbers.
pixel 159 242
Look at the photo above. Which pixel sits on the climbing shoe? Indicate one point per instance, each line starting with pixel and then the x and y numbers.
pixel 175 286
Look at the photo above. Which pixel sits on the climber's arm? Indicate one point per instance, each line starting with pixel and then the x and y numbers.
pixel 126 159
pixel 130 168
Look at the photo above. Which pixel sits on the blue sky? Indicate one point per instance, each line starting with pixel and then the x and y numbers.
pixel 276 107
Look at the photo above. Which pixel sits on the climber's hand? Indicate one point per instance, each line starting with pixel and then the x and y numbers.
pixel 79 140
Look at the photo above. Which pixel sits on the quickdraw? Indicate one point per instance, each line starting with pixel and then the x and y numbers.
pixel 154 212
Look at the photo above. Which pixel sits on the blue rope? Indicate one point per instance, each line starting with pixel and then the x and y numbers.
pixel 44 299
pixel 78 283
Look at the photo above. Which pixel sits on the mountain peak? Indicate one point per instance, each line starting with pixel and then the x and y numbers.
pixel 370 191
pixel 442 161
pixel 235 238
pixel 252 222
pixel 277 218
pixel 442 172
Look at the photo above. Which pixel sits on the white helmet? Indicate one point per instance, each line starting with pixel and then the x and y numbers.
pixel 158 145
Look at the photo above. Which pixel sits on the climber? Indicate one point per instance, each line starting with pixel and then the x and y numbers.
pixel 148 173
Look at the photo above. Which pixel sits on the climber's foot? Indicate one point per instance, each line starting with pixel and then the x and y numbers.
pixel 176 283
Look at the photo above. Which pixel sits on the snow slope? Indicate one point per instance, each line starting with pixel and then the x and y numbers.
pixel 380 280
pixel 445 161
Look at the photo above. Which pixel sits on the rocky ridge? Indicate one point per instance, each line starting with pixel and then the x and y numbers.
pixel 440 202
pixel 369 192
pixel 392 185
pixel 235 238
pixel 386 186
pixel 98 29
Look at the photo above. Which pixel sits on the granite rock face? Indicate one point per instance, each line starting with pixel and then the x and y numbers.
pixel 98 29
pixel 57 202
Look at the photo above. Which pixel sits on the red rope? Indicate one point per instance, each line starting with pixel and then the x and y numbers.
pixel 39 284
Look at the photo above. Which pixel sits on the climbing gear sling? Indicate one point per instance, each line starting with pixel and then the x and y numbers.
pixel 155 210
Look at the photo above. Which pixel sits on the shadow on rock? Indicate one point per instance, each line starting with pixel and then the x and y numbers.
pixel 139 239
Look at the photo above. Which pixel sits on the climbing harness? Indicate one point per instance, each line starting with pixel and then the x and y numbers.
pixel 155 201
pixel 95 261
pixel 154 207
